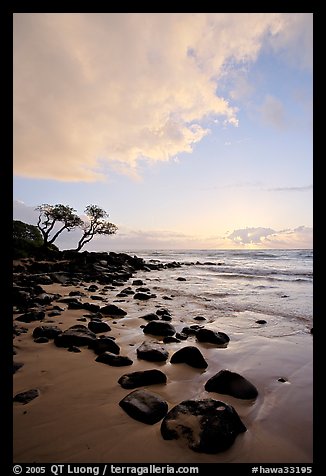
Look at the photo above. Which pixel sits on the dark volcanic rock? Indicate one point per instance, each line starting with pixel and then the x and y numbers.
pixel 189 355
pixel 143 296
pixel 162 312
pixel 105 344
pixel 74 348
pixel 170 340
pixel 207 335
pixel 97 327
pixel 96 297
pixel 159 328
pixel 69 300
pixel 112 310
pixel 41 340
pixel 54 313
pixel 139 379
pixel 77 335
pixel 152 351
pixel 207 426
pixel 166 317
pixel 188 331
pixel 76 305
pixel 137 282
pixel 181 336
pixel 16 366
pixel 17 330
pixel 45 298
pixel 46 331
pixel 26 397
pixel 150 317
pixel 31 316
pixel 200 318
pixel 144 406
pixel 113 359
pixel 231 383
pixel 90 306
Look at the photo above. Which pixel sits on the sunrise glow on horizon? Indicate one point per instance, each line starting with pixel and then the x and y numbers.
pixel 193 130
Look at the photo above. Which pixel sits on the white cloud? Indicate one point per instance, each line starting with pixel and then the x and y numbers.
pixel 91 89
pixel 300 237
pixel 245 236
pixel 303 188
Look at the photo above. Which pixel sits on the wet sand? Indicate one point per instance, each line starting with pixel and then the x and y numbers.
pixel 77 417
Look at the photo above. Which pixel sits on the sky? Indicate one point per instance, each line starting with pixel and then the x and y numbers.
pixel 192 130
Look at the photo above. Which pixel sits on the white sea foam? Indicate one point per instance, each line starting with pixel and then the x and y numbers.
pixel 273 283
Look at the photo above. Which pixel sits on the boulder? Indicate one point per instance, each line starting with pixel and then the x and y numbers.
pixel 41 340
pixel 98 326
pixel 206 426
pixel 139 379
pixel 144 406
pixel 77 335
pixel 231 383
pixel 212 337
pixel 31 316
pixel 16 366
pixel 170 340
pixel 150 317
pixel 112 310
pixel 46 331
pixel 152 351
pixel 143 296
pixel 190 355
pixel 26 397
pixel 105 344
pixel 113 359
pixel 159 328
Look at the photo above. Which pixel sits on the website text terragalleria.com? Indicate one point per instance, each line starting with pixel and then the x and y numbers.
pixel 56 469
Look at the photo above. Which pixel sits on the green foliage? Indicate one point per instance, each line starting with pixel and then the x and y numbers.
pixel 26 239
pixel 52 215
pixel 53 220
pixel 95 225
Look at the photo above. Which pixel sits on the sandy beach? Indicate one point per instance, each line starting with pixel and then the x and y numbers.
pixel 77 417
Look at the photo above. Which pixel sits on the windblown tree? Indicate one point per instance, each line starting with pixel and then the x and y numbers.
pixel 52 215
pixel 96 224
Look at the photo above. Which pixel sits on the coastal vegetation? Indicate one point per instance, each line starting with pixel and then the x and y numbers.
pixel 54 220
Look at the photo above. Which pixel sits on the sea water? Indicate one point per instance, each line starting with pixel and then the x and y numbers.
pixel 271 285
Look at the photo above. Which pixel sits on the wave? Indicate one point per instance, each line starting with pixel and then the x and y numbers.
pixel 262 274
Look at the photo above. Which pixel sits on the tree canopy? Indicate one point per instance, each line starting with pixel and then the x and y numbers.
pixel 95 225
pixel 54 219
pixel 51 215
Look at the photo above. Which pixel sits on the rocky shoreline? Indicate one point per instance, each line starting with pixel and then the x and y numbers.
pixel 78 302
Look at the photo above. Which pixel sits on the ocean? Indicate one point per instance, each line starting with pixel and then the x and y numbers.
pixel 239 287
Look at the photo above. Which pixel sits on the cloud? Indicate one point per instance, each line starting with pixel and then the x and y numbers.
pixel 94 91
pixel 294 39
pixel 244 236
pixel 297 238
pixel 273 112
pixel 24 213
pixel 303 188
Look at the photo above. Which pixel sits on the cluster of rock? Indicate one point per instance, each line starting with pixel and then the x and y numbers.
pixel 206 425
